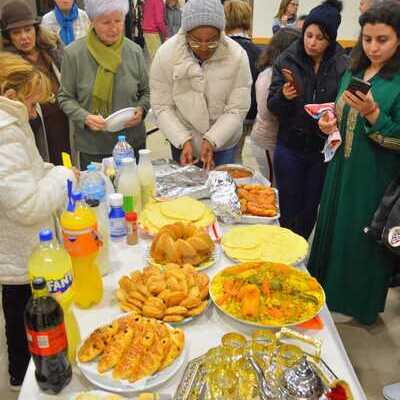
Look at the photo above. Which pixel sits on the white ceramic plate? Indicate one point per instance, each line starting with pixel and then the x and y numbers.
pixel 107 382
pixel 100 394
pixel 116 121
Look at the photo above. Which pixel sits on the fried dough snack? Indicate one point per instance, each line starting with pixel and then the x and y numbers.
pixel 258 200
pixel 171 295
pixel 139 347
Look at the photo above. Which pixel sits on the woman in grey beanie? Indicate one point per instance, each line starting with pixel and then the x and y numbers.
pixel 200 84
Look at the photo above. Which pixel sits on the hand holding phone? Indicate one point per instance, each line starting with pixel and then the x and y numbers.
pixel 289 77
pixel 358 85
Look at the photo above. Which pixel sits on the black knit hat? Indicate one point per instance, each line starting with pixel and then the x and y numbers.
pixel 327 15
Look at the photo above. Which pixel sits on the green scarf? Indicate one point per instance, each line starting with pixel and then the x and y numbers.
pixel 109 59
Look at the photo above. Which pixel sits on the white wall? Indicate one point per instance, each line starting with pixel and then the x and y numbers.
pixel 265 10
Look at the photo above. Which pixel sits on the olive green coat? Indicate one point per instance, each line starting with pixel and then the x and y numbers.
pixel 352 268
pixel 131 89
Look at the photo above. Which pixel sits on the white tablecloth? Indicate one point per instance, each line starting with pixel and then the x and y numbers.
pixel 201 334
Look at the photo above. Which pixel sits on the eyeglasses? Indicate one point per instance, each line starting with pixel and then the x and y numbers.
pixel 294 4
pixel 194 44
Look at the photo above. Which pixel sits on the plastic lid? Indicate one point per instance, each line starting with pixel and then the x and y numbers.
pixel 39 283
pixel 145 152
pixel 77 196
pixel 46 235
pixel 91 168
pixel 127 160
pixel 92 202
pixel 116 199
pixel 131 216
pixel 121 138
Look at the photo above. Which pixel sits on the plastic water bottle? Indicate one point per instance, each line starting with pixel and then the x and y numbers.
pixel 93 186
pixel 94 192
pixel 50 261
pixel 122 150
pixel 117 217
pixel 129 186
pixel 146 176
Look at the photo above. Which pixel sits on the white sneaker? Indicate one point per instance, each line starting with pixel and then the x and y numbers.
pixel 392 392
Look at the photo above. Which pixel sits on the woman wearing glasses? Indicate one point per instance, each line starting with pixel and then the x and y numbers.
pixel 200 85
pixel 287 15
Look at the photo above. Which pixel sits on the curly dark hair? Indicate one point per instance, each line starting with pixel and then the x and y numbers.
pixel 279 42
pixel 387 13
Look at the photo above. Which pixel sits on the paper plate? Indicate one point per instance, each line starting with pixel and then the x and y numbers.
pixel 116 121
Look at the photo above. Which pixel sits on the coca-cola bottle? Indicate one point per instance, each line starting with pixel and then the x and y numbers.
pixel 47 340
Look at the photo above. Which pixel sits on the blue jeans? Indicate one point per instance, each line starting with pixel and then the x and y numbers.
pixel 220 157
pixel 300 178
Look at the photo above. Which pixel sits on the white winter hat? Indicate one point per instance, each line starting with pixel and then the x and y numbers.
pixel 203 13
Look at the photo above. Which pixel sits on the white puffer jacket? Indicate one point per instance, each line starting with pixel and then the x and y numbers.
pixel 208 101
pixel 30 192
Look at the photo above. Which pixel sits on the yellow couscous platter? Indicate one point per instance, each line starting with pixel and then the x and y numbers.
pixel 267 294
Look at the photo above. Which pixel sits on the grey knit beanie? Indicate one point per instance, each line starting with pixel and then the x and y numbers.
pixel 203 13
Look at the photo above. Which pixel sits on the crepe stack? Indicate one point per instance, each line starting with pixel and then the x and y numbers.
pixel 184 209
pixel 132 347
pixel 264 243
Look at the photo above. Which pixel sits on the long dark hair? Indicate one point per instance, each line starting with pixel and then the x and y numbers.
pixel 387 13
pixel 279 42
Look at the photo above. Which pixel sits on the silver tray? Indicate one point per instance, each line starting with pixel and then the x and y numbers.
pixel 193 377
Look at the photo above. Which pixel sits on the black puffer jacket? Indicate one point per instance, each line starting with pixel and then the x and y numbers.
pixel 253 52
pixel 297 130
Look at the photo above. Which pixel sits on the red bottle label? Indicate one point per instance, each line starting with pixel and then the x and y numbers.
pixel 47 343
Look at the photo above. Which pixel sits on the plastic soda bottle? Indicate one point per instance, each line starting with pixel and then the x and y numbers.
pixel 146 176
pixel 81 240
pixel 50 261
pixel 122 150
pixel 47 339
pixel 129 186
pixel 93 189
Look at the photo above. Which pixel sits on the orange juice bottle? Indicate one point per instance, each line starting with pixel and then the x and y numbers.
pixel 79 228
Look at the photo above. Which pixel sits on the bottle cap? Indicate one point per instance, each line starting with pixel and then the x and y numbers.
pixel 131 217
pixel 45 235
pixel 77 196
pixel 116 199
pixel 91 168
pixel 127 161
pixel 38 283
pixel 121 138
pixel 92 202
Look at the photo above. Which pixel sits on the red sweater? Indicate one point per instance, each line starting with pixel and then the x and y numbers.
pixel 154 17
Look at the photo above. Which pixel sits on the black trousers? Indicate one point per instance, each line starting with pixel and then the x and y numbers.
pixel 15 298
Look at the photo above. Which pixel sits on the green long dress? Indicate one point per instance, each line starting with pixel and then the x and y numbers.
pixel 352 268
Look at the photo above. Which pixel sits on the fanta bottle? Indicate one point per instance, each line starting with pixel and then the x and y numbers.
pixel 79 227
pixel 50 261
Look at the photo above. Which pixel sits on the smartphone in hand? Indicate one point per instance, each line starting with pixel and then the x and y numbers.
pixel 358 85
pixel 289 77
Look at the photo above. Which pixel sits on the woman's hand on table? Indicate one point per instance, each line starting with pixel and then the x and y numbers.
pixel 136 119
pixel 207 155
pixel 364 104
pixel 289 91
pixel 327 125
pixel 187 154
pixel 95 122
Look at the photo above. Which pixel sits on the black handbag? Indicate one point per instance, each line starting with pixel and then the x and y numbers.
pixel 385 224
